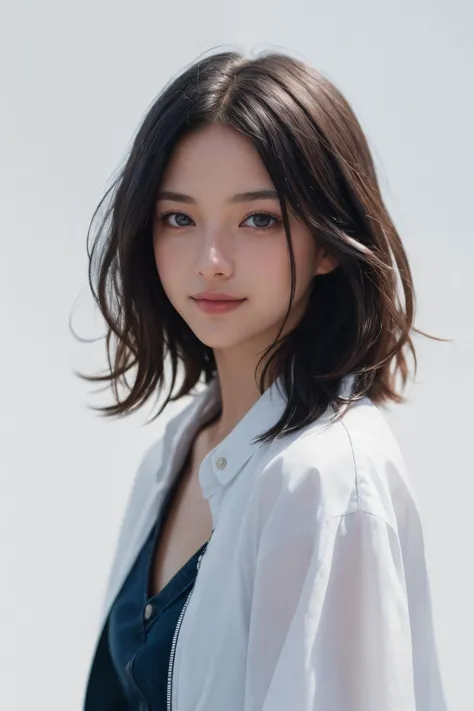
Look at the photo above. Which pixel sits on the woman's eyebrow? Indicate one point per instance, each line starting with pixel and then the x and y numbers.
pixel 239 197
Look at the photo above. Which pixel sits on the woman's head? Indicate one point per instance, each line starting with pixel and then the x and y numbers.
pixel 327 285
pixel 213 232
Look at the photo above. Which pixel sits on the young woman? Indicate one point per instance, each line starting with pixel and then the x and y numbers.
pixel 271 556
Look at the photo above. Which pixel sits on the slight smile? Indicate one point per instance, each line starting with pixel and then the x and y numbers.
pixel 212 306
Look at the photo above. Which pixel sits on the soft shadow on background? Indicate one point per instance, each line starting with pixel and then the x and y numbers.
pixel 76 81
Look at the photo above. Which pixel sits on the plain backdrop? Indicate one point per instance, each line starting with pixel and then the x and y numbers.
pixel 76 80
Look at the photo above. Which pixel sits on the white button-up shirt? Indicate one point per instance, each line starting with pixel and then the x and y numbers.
pixel 313 593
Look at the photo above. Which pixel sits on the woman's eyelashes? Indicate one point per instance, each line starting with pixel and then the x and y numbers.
pixel 269 219
pixel 267 216
pixel 164 218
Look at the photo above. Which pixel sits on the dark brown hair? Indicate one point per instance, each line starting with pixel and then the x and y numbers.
pixel 359 318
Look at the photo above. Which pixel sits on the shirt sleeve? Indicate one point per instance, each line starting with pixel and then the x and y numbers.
pixel 330 623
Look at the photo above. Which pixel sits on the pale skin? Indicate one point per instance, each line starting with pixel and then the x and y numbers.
pixel 212 242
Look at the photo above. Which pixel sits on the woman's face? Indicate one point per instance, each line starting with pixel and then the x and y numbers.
pixel 212 240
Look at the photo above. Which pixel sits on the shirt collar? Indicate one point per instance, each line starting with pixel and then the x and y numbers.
pixel 225 461
pixel 220 466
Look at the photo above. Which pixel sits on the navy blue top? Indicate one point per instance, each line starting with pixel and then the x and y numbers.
pixel 141 627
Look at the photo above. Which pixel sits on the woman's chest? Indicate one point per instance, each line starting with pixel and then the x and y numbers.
pixel 187 525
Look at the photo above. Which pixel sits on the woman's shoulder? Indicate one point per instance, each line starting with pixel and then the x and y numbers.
pixel 155 461
pixel 339 467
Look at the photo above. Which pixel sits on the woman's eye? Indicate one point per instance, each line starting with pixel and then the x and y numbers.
pixel 179 216
pixel 261 220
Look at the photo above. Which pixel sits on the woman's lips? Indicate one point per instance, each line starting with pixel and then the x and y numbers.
pixel 217 307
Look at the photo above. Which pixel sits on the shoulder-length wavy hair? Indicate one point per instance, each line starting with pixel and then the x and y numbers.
pixel 359 318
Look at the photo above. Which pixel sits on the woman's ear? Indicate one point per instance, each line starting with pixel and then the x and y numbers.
pixel 325 263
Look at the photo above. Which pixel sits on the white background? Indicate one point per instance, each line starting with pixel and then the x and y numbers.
pixel 76 80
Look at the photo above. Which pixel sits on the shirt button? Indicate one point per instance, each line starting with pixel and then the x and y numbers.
pixel 148 611
pixel 221 463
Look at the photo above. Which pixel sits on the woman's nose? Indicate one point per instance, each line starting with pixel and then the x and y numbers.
pixel 214 260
